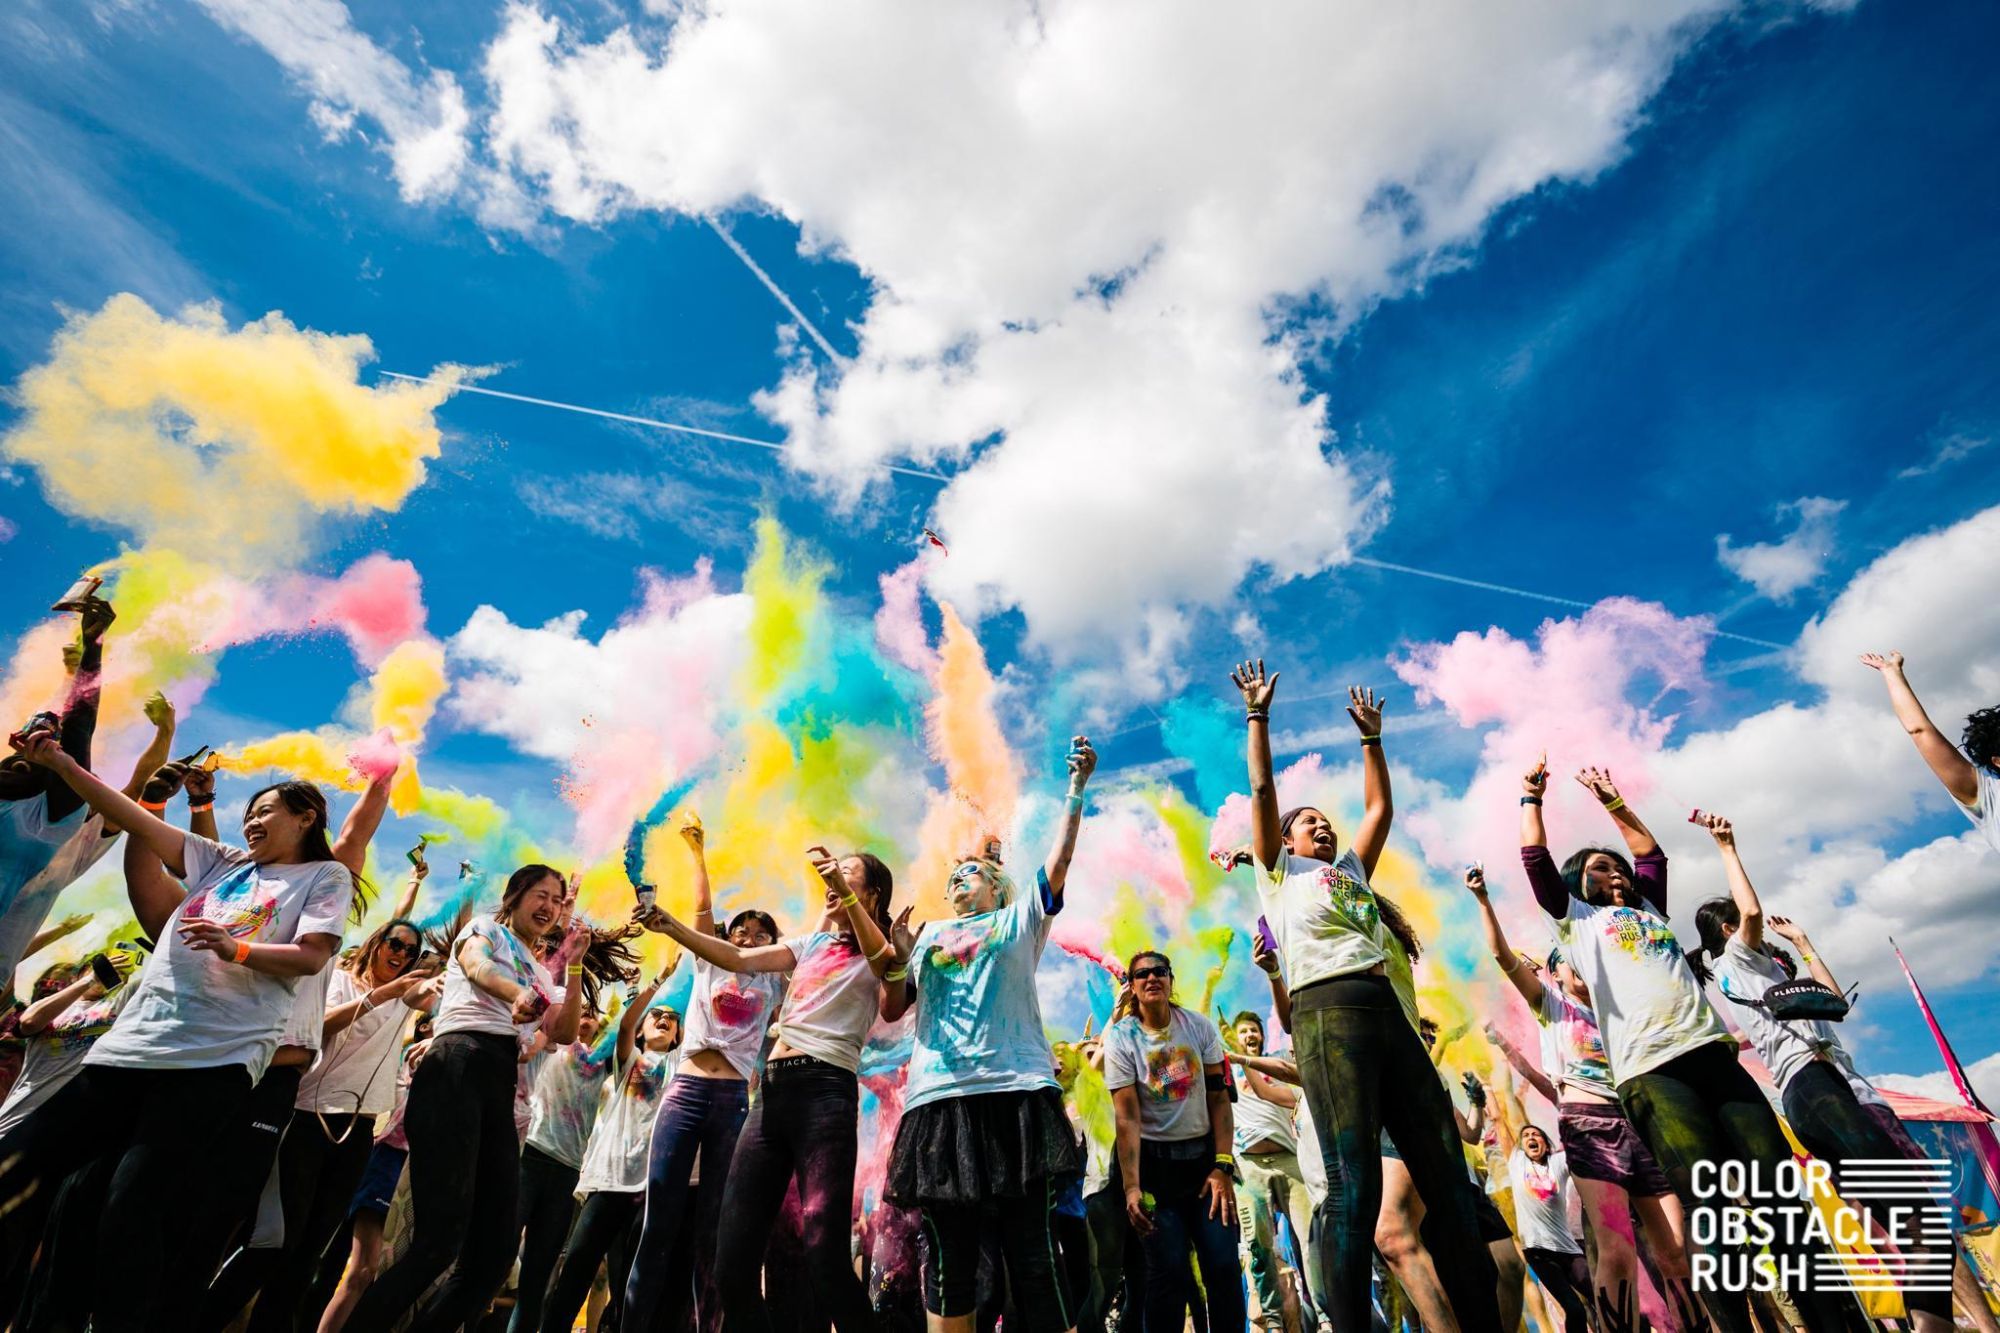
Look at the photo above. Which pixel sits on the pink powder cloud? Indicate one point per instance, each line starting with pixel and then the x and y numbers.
pixel 899 624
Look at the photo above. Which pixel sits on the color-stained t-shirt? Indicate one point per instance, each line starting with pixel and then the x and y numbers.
pixel 728 1012
pixel 832 1000
pixel 194 1009
pixel 1166 1068
pixel 979 1018
pixel 1323 916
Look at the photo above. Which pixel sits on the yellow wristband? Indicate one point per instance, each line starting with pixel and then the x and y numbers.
pixel 573 970
pixel 1616 804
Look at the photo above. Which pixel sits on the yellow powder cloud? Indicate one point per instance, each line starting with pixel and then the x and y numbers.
pixel 221 443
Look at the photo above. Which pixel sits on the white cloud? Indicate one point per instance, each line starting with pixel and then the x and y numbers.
pixel 425 119
pixel 1984 1075
pixel 1947 447
pixel 1779 569
pixel 1083 223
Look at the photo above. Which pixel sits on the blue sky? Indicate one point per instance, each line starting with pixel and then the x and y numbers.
pixel 1779 285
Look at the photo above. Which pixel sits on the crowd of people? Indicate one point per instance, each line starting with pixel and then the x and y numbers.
pixel 244 1107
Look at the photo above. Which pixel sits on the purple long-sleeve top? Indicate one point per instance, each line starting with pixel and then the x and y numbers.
pixel 1649 876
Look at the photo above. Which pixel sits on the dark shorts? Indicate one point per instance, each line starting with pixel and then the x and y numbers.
pixel 1389 1147
pixel 1492 1222
pixel 378 1182
pixel 1601 1144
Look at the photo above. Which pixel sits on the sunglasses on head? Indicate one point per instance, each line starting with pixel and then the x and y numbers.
pixel 1147 973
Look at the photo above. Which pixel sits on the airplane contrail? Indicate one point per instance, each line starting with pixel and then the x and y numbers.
pixel 773 445
pixel 771 286
pixel 1366 562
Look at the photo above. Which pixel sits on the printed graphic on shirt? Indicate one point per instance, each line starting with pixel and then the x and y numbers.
pixel 646 1077
pixel 957 948
pixel 235 905
pixel 1640 935
pixel 1541 1182
pixel 735 1006
pixel 1351 898
pixel 1171 1073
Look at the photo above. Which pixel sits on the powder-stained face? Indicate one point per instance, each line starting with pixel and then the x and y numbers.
pixel 974 887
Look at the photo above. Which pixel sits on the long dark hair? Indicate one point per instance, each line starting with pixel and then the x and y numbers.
pixel 518 884
pixel 607 959
pixel 1572 869
pixel 1128 1000
pixel 303 798
pixel 876 874
pixel 1713 921
pixel 1399 926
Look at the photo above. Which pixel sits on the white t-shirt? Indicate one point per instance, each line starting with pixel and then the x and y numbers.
pixel 192 1009
pixel 567 1083
pixel 36 898
pixel 1166 1068
pixel 1572 1046
pixel 832 1001
pixel 52 1057
pixel 464 1007
pixel 615 1160
pixel 1785 1047
pixel 1648 1004
pixel 305 1025
pixel 1541 1202
pixel 979 1016
pixel 729 1013
pixel 1258 1119
pixel 1324 917
pixel 1984 811
pixel 356 1073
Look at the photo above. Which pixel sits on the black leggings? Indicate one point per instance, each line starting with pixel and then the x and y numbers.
pixel 605 1232
pixel 1365 1072
pixel 159 1126
pixel 1836 1128
pixel 1566 1277
pixel 464 1158
pixel 546 1206
pixel 1704 1106
pixel 950 1242
pixel 803 1123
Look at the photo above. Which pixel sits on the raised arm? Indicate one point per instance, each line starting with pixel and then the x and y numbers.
pixel 1749 909
pixel 875 946
pixel 635 1013
pixel 69 925
pixel 1649 863
pixel 200 787
pixel 159 837
pixel 1379 808
pixel 406 902
pixel 79 721
pixel 715 949
pixel 35 1019
pixel 1266 844
pixel 1082 763
pixel 1952 768
pixel 898 990
pixel 1526 1068
pixel 704 902
pixel 1517 972
pixel 1791 931
pixel 350 847
pixel 1261 1073
pixel 156 754
pixel 1543 877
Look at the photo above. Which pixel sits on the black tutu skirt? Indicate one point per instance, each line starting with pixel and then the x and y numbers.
pixel 966 1150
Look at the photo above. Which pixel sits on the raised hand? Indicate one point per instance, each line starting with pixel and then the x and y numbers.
pixel 1536 780
pixel 158 711
pixel 167 780
pixel 419 872
pixel 200 783
pixel 41 746
pixel 1366 709
pixel 1597 781
pixel 1886 662
pixel 97 618
pixel 1256 686
pixel 691 831
pixel 1475 880
pixel 1475 1091
pixel 900 934
pixel 1719 829
pixel 1262 957
pixel 1787 929
pixel 1083 761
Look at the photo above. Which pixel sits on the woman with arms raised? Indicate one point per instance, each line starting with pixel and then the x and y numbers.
pixel 984 1137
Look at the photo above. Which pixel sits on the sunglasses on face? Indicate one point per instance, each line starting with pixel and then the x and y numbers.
pixel 398 946
pixel 1148 973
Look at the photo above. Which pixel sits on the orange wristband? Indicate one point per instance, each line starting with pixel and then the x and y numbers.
pixel 242 951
